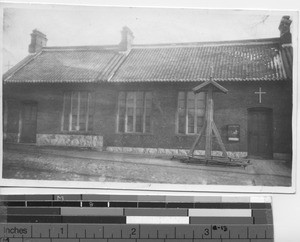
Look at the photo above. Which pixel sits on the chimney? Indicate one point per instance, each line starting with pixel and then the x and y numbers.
pixel 38 41
pixel 127 39
pixel 284 28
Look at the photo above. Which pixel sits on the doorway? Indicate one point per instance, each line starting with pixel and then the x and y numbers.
pixel 260 133
pixel 29 122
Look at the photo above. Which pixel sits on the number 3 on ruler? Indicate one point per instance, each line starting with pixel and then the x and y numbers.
pixel 206 231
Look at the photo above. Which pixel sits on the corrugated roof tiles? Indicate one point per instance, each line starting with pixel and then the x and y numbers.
pixel 232 61
pixel 68 66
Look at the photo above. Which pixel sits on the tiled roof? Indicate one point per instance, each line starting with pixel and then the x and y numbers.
pixel 68 65
pixel 231 61
pixel 257 61
pixel 16 67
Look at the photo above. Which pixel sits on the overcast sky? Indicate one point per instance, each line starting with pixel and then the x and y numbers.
pixel 73 26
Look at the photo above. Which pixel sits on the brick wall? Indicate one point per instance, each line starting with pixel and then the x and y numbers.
pixel 229 108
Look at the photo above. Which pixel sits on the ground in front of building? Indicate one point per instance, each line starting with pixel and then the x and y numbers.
pixel 32 162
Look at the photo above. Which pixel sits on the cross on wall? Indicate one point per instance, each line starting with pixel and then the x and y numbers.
pixel 259 93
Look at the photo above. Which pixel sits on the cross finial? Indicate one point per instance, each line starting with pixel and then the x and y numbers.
pixel 8 66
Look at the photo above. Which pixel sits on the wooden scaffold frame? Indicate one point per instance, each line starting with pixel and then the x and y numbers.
pixel 209 131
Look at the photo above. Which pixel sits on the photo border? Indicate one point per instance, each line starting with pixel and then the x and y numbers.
pixel 171 187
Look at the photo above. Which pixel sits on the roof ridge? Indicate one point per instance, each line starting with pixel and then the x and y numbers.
pixel 164 45
pixel 83 48
pixel 205 44
pixel 277 39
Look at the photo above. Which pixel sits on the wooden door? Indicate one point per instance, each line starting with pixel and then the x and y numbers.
pixel 29 122
pixel 260 133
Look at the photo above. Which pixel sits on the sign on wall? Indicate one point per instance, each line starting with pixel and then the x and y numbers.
pixel 233 132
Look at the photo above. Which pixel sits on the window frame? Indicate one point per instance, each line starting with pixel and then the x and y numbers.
pixel 125 128
pixel 90 101
pixel 186 125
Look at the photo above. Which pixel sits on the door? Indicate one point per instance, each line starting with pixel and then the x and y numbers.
pixel 29 121
pixel 260 133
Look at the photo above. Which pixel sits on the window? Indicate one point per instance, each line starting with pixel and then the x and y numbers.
pixel 190 113
pixel 78 112
pixel 134 112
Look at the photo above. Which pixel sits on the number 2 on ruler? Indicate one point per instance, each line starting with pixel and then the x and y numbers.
pixel 133 231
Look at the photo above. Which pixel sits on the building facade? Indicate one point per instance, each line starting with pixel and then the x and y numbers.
pixel 138 98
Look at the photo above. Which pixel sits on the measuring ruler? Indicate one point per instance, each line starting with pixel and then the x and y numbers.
pixel 128 218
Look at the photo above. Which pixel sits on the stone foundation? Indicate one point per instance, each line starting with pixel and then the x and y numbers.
pixel 161 151
pixel 11 137
pixel 90 141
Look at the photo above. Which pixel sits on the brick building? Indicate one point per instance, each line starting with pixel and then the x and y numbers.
pixel 138 98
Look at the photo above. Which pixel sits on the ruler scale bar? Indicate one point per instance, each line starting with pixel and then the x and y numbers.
pixel 126 218
pixel 134 198
pixel 95 211
pixel 60 215
pixel 134 205
pixel 143 230
pixel 25 218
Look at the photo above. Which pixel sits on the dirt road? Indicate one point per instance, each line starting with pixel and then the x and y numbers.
pixel 21 162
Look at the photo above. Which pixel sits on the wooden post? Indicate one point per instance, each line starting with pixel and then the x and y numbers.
pixel 209 120
pixel 198 139
pixel 209 87
pixel 218 136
